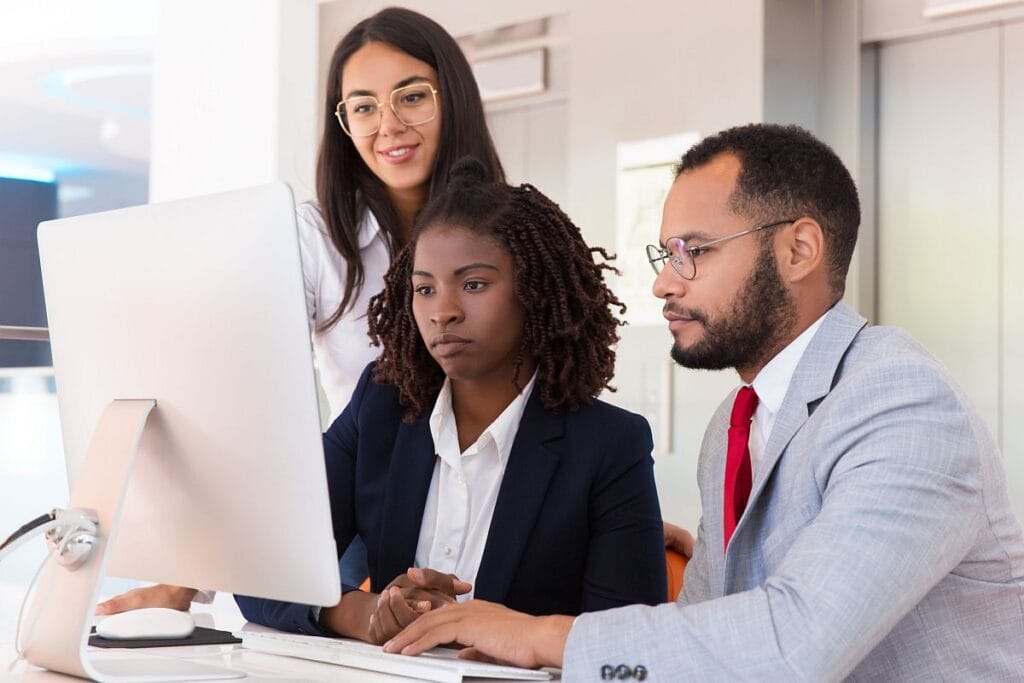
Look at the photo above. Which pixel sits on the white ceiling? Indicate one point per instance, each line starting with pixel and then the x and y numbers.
pixel 74 86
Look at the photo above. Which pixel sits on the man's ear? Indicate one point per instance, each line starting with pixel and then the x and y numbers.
pixel 803 250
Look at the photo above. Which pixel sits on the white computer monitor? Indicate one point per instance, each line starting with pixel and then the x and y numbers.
pixel 198 305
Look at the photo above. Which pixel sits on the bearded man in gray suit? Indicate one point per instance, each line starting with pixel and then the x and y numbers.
pixel 856 522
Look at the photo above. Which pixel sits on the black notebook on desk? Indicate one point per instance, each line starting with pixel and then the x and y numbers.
pixel 200 636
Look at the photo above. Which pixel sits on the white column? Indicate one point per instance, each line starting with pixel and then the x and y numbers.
pixel 234 96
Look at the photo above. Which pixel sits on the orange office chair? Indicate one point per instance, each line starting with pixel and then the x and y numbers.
pixel 675 567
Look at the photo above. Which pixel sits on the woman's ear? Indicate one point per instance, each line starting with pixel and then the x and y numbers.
pixel 803 250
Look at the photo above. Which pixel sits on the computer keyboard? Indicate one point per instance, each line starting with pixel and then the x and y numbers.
pixel 439 664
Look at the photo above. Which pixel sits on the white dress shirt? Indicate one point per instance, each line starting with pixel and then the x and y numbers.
pixel 343 351
pixel 771 385
pixel 464 488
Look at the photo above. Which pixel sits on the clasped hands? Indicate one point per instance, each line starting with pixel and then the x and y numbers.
pixel 416 592
pixel 377 618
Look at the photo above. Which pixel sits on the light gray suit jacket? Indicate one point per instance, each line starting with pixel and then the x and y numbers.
pixel 879 541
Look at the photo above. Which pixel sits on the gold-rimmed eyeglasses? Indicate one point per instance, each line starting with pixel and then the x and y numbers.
pixel 413 105
pixel 684 258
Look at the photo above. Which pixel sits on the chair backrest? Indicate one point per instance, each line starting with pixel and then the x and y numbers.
pixel 675 567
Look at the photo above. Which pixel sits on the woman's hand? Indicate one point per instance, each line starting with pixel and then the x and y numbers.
pixel 376 618
pixel 415 592
pixel 160 595
pixel 393 612
pixel 421 583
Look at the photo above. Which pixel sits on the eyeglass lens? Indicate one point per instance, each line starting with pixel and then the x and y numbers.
pixel 413 104
pixel 676 253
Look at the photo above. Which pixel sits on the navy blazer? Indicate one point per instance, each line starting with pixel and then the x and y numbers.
pixel 576 526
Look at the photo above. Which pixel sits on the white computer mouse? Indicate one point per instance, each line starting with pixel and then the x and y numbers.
pixel 149 623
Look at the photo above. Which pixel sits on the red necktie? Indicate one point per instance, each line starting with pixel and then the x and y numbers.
pixel 737 461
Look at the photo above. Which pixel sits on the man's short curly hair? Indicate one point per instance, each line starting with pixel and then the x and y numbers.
pixel 570 329
pixel 787 173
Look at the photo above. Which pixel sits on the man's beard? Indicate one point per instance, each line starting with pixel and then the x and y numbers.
pixel 751 332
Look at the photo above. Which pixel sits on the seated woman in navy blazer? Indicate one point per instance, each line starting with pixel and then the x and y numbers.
pixel 474 450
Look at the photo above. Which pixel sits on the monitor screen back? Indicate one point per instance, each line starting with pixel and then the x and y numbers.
pixel 199 304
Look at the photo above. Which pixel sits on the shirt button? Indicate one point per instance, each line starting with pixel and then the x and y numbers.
pixel 461 480
pixel 447 550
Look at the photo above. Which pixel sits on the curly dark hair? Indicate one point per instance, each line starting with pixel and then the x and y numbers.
pixel 786 173
pixel 570 328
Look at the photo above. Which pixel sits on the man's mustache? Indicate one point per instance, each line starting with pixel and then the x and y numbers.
pixel 683 312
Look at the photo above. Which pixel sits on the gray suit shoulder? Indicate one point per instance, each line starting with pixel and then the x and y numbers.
pixel 887 371
pixel 892 353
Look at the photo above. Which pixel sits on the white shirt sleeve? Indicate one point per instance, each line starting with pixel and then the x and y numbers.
pixel 307 220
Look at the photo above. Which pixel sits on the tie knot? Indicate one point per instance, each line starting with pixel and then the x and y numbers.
pixel 743 407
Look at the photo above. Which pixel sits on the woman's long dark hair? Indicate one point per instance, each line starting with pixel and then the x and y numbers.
pixel 345 187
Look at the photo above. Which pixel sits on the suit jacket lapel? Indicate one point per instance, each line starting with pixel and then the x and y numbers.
pixel 531 464
pixel 715 447
pixel 409 475
pixel 811 382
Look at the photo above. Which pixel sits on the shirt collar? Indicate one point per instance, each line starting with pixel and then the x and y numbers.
pixel 502 431
pixel 368 229
pixel 772 383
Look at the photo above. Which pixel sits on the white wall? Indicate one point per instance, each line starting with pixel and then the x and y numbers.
pixel 234 86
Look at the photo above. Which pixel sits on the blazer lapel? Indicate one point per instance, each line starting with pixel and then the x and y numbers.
pixel 811 382
pixel 531 464
pixel 409 475
pixel 714 448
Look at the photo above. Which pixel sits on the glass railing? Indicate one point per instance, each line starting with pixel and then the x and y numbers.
pixel 33 479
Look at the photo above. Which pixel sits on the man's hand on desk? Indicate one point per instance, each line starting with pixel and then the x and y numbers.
pixel 160 595
pixel 491 633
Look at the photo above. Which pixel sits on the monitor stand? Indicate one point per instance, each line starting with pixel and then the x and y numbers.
pixel 56 627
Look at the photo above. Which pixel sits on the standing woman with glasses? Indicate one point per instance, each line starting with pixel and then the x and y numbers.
pixel 401 106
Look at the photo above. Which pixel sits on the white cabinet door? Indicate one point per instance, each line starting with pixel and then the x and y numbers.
pixel 938 203
pixel 1013 261
pixel 951 214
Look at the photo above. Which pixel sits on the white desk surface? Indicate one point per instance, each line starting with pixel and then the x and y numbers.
pixel 257 666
